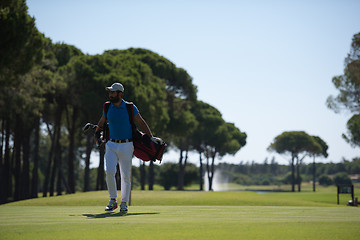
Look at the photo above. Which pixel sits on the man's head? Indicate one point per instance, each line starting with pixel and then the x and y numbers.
pixel 115 92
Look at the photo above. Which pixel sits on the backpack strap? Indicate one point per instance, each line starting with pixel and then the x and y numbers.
pixel 106 126
pixel 130 109
pixel 106 108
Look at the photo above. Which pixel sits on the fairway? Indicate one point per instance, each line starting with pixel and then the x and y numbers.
pixel 56 218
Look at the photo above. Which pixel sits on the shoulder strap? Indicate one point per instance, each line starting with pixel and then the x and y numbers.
pixel 130 109
pixel 106 108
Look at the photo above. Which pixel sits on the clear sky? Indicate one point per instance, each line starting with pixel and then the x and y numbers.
pixel 265 65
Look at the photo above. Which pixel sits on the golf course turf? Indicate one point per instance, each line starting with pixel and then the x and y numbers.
pixel 183 215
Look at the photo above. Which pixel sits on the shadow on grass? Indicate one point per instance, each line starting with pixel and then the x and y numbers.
pixel 112 214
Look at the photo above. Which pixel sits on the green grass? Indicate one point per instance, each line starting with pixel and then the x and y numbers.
pixel 173 222
pixel 325 197
pixel 184 215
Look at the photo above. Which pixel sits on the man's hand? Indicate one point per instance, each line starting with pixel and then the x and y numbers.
pixel 98 138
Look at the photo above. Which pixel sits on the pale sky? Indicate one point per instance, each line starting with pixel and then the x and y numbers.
pixel 265 65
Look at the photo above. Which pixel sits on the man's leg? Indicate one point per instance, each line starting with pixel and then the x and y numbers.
pixel 125 160
pixel 110 169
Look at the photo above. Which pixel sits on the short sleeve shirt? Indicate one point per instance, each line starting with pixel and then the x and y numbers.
pixel 119 123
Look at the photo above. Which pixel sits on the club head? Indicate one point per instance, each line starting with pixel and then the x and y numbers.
pixel 87 127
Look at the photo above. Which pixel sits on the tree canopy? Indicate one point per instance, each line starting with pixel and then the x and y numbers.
pixel 294 143
pixel 348 86
pixel 20 43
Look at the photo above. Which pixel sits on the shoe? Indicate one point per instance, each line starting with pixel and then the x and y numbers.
pixel 111 206
pixel 123 208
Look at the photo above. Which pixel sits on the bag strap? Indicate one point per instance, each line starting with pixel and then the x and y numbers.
pixel 130 109
pixel 106 127
pixel 106 108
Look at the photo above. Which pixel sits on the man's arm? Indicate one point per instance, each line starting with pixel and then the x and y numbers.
pixel 142 124
pixel 101 123
pixel 100 127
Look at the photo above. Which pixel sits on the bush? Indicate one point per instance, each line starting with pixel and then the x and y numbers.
pixel 342 178
pixel 192 174
pixel 168 176
pixel 324 180
pixel 241 179
pixel 265 182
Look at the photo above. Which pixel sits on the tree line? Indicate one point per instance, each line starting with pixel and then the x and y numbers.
pixel 273 173
pixel 50 90
pixel 247 174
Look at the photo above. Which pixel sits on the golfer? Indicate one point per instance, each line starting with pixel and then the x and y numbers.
pixel 119 149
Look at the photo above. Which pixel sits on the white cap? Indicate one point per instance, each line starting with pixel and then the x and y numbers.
pixel 115 87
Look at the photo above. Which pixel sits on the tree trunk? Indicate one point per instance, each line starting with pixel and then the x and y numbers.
pixel 17 148
pixel 151 175
pixel 100 182
pixel 142 175
pixel 53 175
pixel 209 174
pixel 181 172
pixel 102 167
pixel 26 164
pixel 71 156
pixel 54 165
pixel 212 171
pixel 34 180
pixel 292 174
pixel 201 173
pixel 314 174
pixel 89 146
pixel 56 174
pixel 50 162
pixel 6 175
pixel 64 182
pixel 298 180
pixel 2 186
pixel 58 160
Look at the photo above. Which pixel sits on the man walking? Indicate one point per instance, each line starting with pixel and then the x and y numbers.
pixel 119 149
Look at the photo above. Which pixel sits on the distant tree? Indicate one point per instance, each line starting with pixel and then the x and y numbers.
pixel 298 144
pixel 349 89
pixel 273 166
pixel 318 152
pixel 182 125
pixel 208 118
pixel 342 178
pixel 226 139
pixel 214 137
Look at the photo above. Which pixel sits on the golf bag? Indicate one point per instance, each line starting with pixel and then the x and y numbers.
pixel 144 148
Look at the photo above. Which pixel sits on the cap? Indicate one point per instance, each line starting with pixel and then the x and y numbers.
pixel 115 87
